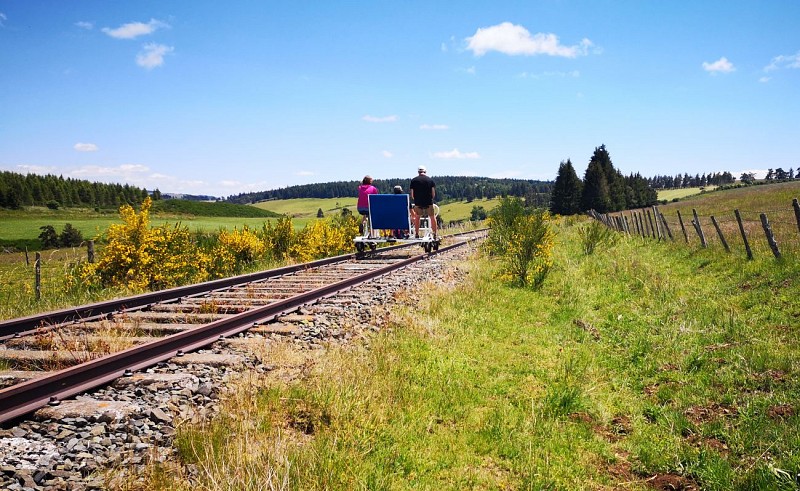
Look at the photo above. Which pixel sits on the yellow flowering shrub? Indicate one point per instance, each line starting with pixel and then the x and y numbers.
pixel 529 255
pixel 524 240
pixel 137 256
pixel 324 238
pixel 234 250
pixel 279 239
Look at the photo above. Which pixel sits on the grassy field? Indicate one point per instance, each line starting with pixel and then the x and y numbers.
pixel 775 200
pixel 645 365
pixel 308 207
pixel 461 210
pixel 670 194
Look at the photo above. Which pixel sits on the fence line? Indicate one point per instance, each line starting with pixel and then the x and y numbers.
pixel 756 231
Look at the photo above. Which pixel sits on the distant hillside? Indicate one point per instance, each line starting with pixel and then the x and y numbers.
pixel 210 209
pixel 447 188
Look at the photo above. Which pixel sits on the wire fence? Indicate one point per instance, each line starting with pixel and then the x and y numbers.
pixel 749 232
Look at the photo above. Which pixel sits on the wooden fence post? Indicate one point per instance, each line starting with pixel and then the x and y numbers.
pixel 719 232
pixel 796 207
pixel 699 229
pixel 90 250
pixel 37 265
pixel 650 219
pixel 666 226
pixel 680 220
pixel 659 233
pixel 27 261
pixel 639 225
pixel 770 237
pixel 744 235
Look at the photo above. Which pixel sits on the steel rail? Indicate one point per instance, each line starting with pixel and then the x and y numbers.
pixel 26 397
pixel 26 325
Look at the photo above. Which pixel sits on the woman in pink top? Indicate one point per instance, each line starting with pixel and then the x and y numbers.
pixel 365 189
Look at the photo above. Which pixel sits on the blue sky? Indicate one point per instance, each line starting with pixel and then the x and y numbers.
pixel 226 97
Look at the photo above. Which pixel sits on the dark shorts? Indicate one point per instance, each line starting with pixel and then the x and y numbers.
pixel 364 211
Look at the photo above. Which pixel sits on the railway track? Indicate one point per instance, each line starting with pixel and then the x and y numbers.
pixel 56 355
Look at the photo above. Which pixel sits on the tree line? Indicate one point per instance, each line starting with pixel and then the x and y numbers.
pixel 447 188
pixel 18 190
pixel 603 188
pixel 687 181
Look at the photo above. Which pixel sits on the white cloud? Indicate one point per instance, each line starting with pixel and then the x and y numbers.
pixel 85 25
pixel 3 18
pixel 153 55
pixel 123 172
pixel 434 127
pixel 387 154
pixel 379 119
pixel 470 70
pixel 133 30
pixel 85 147
pixel 784 61
pixel 720 66
pixel 758 173
pixel 511 39
pixel 304 173
pixel 456 154
pixel 764 80
pixel 37 169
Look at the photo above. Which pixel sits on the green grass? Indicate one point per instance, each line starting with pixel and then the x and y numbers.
pixel 206 209
pixel 639 360
pixel 307 207
pixel 775 200
pixel 670 194
pixel 462 210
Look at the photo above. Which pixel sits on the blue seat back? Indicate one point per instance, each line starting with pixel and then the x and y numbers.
pixel 389 211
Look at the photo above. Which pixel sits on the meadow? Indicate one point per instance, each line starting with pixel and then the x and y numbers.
pixel 643 365
pixel 774 200
pixel 671 194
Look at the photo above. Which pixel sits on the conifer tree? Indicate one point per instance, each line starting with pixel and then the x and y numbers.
pixel 566 196
pixel 595 194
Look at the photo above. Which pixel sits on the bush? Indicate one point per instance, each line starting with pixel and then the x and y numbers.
pixel 594 234
pixel 53 204
pixel 48 237
pixel 478 213
pixel 524 239
pixel 137 256
pixel 70 236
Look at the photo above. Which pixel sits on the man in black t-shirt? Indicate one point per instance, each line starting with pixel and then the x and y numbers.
pixel 423 192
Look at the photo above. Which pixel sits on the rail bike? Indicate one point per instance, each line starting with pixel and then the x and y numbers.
pixel 389 222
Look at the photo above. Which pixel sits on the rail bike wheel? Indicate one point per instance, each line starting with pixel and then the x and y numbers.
pixel 360 246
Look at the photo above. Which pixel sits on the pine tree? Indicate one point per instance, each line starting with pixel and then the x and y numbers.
pixel 566 196
pixel 595 189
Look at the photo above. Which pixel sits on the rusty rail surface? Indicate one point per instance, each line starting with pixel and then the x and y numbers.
pixel 26 397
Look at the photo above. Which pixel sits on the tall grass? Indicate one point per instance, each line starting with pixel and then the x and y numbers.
pixel 774 200
pixel 640 360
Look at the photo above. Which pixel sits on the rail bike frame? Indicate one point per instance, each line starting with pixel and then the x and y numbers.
pixel 389 221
